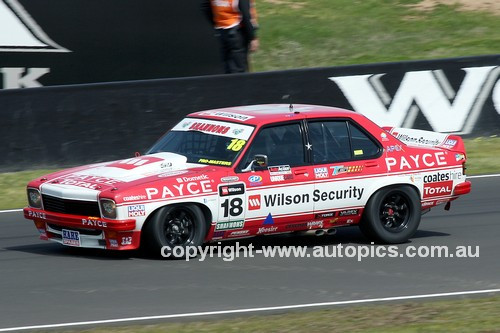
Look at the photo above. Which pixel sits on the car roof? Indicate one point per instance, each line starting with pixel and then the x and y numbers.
pixel 270 113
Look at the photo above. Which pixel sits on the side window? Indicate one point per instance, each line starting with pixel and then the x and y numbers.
pixel 336 141
pixel 330 141
pixel 282 144
pixel 362 146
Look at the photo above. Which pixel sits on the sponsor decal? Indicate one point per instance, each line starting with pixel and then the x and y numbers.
pixel 165 165
pixel 226 190
pixel 349 221
pixel 43 233
pixel 415 161
pixel 94 222
pixel 134 162
pixel 358 152
pixel 282 199
pixel 87 181
pixel 321 172
pixel 38 215
pixel 459 157
pixel 254 202
pixel 214 162
pixel 428 203
pixel 348 212
pixel 126 240
pixel 136 210
pixel 255 180
pixel 218 234
pixel 264 230
pixel 383 135
pixel 438 189
pixel 70 237
pixel 280 170
pixel 439 202
pixel 315 225
pixel 442 176
pixel 340 169
pixel 113 243
pixel 172 173
pixel 229 179
pixel 228 115
pixel 209 128
pixel 191 179
pixel 296 226
pixel 239 233
pixel 394 148
pixel 325 215
pixel 419 140
pixel 334 220
pixel 230 225
pixel 181 189
pixel 134 197
pixel 280 178
pixel 269 220
pixel 449 143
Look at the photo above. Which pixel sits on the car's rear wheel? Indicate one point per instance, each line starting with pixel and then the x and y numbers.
pixel 173 228
pixel 392 215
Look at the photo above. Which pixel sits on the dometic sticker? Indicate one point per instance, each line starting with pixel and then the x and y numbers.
pixel 230 225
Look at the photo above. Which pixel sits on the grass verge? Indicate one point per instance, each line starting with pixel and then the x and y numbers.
pixel 483 158
pixel 464 315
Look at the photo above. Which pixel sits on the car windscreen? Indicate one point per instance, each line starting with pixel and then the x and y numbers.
pixel 205 141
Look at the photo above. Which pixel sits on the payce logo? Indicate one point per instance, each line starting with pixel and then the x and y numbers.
pixel 24 35
pixel 427 91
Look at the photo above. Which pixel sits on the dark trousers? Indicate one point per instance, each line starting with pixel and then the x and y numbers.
pixel 234 49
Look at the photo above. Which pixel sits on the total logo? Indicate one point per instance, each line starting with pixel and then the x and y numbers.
pixel 254 202
pixel 438 189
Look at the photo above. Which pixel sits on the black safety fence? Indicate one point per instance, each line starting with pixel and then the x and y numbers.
pixel 70 125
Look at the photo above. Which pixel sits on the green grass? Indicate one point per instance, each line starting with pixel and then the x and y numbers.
pixel 465 315
pixel 306 33
pixel 483 158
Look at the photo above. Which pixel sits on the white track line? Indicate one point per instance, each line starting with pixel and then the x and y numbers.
pixel 11 210
pixel 263 309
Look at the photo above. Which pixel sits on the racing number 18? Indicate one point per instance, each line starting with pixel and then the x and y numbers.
pixel 232 207
pixel 236 144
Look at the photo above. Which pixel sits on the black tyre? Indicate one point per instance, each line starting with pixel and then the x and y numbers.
pixel 392 215
pixel 174 226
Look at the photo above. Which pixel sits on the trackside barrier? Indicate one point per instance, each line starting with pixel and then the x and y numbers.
pixel 70 125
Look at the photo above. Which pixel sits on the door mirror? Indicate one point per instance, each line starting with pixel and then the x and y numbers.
pixel 261 161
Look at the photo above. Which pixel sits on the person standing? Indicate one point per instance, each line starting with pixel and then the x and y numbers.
pixel 235 22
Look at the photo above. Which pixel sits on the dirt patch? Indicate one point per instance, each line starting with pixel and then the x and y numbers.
pixel 492 6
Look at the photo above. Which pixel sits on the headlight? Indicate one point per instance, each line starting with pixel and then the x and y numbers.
pixel 108 208
pixel 34 198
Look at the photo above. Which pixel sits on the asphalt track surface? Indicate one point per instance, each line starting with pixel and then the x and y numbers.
pixel 45 283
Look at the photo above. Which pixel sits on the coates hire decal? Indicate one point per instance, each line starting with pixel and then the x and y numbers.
pixel 446 109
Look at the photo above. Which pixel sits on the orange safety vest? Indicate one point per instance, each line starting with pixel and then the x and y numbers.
pixel 226 13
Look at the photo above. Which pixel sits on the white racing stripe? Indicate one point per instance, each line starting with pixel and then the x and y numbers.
pixel 263 309
pixel 468 177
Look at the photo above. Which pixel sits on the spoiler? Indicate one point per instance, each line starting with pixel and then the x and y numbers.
pixel 421 138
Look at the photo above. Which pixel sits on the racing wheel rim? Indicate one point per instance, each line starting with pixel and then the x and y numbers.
pixel 178 228
pixel 395 212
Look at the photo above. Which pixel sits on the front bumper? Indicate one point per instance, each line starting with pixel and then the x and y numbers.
pixel 92 232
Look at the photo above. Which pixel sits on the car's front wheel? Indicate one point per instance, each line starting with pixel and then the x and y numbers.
pixel 392 215
pixel 173 228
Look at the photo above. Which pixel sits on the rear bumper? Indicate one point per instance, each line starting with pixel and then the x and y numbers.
pixel 93 232
pixel 462 188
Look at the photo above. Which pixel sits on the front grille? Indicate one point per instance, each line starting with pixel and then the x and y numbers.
pixel 74 207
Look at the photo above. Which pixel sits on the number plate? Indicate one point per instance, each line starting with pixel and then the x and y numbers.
pixel 71 237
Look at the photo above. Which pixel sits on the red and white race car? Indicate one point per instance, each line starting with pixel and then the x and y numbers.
pixel 254 170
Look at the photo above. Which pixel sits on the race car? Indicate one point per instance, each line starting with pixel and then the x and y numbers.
pixel 254 170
